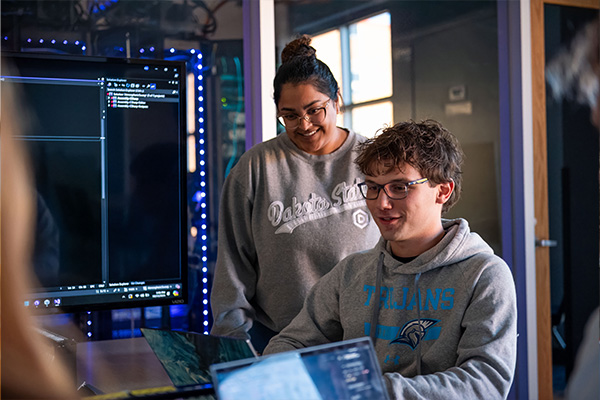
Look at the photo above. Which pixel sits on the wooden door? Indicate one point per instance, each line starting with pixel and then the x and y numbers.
pixel 542 254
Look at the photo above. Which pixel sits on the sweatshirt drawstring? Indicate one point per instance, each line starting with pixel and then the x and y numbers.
pixel 419 321
pixel 375 315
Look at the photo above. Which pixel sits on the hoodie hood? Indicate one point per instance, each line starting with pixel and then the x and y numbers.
pixel 458 244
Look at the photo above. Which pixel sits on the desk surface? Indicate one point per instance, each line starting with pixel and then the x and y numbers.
pixel 119 364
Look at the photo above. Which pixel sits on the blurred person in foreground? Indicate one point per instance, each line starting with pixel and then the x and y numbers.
pixel 439 306
pixel 27 369
pixel 574 74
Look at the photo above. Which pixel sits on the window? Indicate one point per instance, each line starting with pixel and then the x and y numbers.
pixel 360 57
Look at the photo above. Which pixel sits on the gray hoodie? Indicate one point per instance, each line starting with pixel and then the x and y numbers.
pixel 460 343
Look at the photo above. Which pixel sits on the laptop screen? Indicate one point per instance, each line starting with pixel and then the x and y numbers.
pixel 187 356
pixel 340 370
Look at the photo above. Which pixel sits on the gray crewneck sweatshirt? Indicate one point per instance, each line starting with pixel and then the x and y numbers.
pixel 286 218
pixel 446 321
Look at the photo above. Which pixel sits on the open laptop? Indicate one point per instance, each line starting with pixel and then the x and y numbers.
pixel 340 370
pixel 187 356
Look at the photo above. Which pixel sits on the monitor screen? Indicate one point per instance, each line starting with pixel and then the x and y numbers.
pixel 106 142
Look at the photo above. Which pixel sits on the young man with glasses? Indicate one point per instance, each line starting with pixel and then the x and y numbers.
pixel 439 306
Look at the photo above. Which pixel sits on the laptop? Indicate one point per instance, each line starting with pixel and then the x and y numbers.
pixel 340 370
pixel 187 356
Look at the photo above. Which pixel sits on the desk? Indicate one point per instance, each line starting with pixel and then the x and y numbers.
pixel 119 364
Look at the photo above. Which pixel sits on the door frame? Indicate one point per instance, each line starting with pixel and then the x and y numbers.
pixel 542 254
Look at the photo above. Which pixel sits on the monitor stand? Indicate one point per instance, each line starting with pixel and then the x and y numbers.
pixel 106 366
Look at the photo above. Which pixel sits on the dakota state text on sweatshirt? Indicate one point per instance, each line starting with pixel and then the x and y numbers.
pixel 446 321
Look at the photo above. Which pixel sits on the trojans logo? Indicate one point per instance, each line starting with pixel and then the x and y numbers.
pixel 414 331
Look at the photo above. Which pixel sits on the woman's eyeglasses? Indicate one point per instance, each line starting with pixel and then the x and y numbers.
pixel 314 115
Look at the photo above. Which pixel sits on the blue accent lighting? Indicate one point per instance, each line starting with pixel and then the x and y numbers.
pixel 200 196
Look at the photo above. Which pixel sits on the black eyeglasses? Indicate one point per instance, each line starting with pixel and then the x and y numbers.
pixel 314 115
pixel 393 190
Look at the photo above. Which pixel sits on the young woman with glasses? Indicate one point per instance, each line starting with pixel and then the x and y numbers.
pixel 291 208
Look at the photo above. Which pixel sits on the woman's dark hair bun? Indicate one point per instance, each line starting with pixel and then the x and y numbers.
pixel 299 65
pixel 299 47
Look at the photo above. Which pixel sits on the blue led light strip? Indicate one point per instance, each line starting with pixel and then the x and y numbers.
pixel 201 194
pixel 88 323
pixel 50 43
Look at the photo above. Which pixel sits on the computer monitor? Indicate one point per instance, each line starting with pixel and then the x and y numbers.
pixel 106 143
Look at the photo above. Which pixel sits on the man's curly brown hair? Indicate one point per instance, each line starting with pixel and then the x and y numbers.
pixel 427 146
